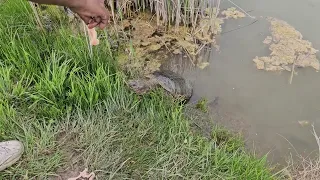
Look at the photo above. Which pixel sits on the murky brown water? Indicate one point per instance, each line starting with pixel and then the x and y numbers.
pixel 263 103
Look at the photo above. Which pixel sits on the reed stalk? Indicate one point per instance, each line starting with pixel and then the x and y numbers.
pixel 179 12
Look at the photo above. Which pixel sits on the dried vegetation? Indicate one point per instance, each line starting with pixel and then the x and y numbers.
pixel 288 49
pixel 150 45
pixel 152 38
pixel 305 168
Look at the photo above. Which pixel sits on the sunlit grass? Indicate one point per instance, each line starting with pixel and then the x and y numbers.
pixel 70 109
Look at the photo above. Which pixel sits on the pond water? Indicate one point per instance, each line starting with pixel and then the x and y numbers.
pixel 262 104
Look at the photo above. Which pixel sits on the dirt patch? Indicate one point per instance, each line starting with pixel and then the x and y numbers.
pixel 73 165
pixel 288 49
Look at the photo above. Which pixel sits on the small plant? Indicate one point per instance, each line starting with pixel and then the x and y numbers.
pixel 202 105
pixel 224 138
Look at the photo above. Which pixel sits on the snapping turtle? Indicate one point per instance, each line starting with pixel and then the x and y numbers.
pixel 172 82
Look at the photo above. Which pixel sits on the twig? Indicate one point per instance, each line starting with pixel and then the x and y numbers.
pixel 317 139
pixel 289 143
pixel 199 50
pixel 292 72
pixel 187 53
pixel 293 65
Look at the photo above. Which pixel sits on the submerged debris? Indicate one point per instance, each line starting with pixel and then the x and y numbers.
pixel 203 65
pixel 287 49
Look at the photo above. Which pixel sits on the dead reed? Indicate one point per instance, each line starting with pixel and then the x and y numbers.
pixel 167 12
pixel 306 168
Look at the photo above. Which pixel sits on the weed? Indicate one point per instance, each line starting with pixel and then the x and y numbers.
pixel 202 105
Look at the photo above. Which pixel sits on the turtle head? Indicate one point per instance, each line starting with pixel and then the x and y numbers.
pixel 139 86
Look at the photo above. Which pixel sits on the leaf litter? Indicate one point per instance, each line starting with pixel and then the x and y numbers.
pixel 288 49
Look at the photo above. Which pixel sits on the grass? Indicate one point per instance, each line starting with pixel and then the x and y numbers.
pixel 73 111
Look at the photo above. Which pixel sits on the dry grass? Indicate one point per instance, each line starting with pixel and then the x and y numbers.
pixel 167 12
pixel 306 168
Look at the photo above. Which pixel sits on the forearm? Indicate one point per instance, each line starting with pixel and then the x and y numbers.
pixel 67 3
pixel 92 12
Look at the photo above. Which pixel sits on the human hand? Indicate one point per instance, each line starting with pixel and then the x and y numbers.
pixel 92 12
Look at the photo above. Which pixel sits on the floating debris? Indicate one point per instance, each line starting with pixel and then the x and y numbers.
pixel 233 13
pixel 304 123
pixel 203 65
pixel 287 49
pixel 268 40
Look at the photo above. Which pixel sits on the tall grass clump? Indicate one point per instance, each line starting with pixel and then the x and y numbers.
pixel 167 12
pixel 52 71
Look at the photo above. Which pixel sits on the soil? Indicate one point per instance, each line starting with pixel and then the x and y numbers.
pixel 74 165
pixel 287 49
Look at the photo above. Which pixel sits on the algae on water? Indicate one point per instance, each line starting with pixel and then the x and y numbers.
pixel 287 49
pixel 233 13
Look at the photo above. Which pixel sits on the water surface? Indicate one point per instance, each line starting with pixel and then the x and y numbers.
pixel 263 104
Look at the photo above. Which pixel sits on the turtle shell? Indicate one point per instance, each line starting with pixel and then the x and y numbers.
pixel 174 83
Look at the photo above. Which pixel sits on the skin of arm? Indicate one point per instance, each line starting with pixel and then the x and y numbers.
pixel 92 12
